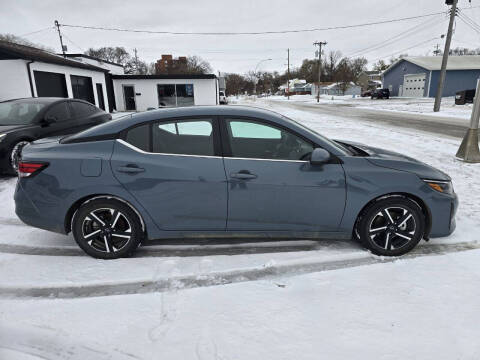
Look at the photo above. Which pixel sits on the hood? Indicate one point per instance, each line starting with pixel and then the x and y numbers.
pixel 396 161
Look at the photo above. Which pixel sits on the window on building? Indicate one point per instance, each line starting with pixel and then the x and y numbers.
pixel 171 95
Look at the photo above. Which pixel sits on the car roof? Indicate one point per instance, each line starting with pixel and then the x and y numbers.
pixel 114 127
pixel 38 100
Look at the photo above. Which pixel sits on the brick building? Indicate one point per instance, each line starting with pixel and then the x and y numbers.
pixel 168 65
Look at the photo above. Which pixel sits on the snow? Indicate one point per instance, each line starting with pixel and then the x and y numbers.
pixel 405 105
pixel 252 300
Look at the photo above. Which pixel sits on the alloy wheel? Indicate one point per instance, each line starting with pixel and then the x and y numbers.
pixel 107 230
pixel 392 228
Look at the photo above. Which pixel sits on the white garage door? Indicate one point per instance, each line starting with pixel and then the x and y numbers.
pixel 414 85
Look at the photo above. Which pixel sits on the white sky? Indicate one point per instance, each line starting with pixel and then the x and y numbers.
pixel 237 53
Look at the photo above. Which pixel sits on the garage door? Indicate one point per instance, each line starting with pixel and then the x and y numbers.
pixel 50 84
pixel 82 88
pixel 414 85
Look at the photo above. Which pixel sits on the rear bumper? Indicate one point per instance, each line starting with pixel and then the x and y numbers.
pixel 30 215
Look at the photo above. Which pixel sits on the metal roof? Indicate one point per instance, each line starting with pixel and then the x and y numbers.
pixel 467 62
pixel 18 51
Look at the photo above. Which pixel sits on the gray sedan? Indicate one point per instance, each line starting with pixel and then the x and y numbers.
pixel 227 172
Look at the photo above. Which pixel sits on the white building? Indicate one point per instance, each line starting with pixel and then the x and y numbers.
pixel 26 71
pixel 142 92
pixel 113 68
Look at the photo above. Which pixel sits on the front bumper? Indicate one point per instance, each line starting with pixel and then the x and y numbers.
pixel 443 208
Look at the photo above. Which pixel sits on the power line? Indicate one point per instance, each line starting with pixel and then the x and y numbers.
pixel 393 39
pixel 401 51
pixel 36 31
pixel 472 24
pixel 71 41
pixel 255 32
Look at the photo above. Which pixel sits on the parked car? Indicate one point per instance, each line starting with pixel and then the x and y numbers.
pixel 227 171
pixel 464 97
pixel 380 94
pixel 25 120
pixel 223 99
pixel 367 93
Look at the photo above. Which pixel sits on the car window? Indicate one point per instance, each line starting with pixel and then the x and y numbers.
pixel 59 112
pixel 187 137
pixel 139 137
pixel 18 112
pixel 251 139
pixel 81 109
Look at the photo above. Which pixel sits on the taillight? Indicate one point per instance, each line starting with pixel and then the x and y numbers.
pixel 26 169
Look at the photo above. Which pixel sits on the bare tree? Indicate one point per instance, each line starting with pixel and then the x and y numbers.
pixel 21 41
pixel 113 54
pixel 344 74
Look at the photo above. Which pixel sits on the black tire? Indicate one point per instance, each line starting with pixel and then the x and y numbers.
pixel 14 154
pixel 381 236
pixel 107 240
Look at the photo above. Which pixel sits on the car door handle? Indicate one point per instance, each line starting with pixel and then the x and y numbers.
pixel 243 175
pixel 130 169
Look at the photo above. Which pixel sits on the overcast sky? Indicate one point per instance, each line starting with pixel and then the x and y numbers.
pixel 239 53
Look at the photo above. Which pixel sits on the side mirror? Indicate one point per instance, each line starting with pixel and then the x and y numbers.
pixel 319 156
pixel 47 120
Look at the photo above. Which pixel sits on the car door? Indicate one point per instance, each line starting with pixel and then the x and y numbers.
pixel 174 169
pixel 57 120
pixel 273 186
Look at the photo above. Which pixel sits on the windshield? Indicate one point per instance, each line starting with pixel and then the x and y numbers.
pixel 19 112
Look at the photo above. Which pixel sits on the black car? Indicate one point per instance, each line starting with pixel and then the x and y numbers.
pixel 465 97
pixel 29 119
pixel 380 94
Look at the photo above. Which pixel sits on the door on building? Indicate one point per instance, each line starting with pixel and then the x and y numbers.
pixel 414 85
pixel 50 84
pixel 101 99
pixel 129 97
pixel 82 88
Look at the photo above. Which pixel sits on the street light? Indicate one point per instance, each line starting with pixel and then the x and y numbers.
pixel 256 77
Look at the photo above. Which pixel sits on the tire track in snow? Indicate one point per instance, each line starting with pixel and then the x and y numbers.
pixel 222 278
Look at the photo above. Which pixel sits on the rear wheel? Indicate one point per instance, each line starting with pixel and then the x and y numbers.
pixel 107 229
pixel 392 226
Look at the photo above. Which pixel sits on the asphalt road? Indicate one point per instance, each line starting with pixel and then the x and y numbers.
pixel 450 126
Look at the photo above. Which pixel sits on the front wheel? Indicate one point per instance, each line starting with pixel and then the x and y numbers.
pixel 392 226
pixel 107 229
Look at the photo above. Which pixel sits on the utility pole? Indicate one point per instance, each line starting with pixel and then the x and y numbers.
pixel 288 74
pixel 468 150
pixel 448 41
pixel 136 59
pixel 319 44
pixel 64 48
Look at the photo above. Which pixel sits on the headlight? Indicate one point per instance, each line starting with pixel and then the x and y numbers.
pixel 445 187
pixel 2 136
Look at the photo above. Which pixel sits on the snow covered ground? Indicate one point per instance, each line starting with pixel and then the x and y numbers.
pixel 407 105
pixel 276 300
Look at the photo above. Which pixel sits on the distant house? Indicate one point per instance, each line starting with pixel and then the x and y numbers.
pixel 418 76
pixel 27 71
pixel 369 80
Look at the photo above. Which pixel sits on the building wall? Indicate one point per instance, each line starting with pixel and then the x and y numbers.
pixel 114 69
pixel 455 80
pixel 14 80
pixel 205 91
pixel 97 77
pixel 394 77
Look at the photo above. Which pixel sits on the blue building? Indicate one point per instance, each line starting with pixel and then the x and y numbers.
pixel 418 76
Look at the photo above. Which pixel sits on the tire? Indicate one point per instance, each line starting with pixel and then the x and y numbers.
pixel 381 236
pixel 107 229
pixel 14 155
